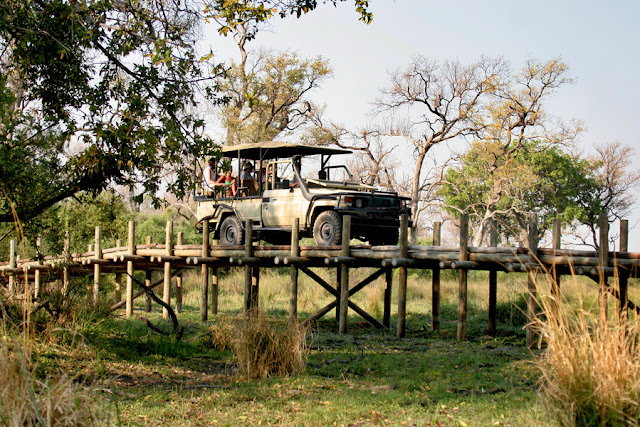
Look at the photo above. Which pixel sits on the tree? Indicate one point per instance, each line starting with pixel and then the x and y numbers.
pixel 541 179
pixel 104 92
pixel 267 96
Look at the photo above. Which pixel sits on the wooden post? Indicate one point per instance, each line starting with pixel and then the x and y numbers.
pixel 132 251
pixel 255 288
pixel 36 278
pixel 338 285
pixel 557 245
pixel 493 282
pixel 344 274
pixel 67 261
pixel 148 276
pixel 623 277
pixel 179 241
pixel 532 278
pixel 462 278
pixel 117 281
pixel 435 281
pixel 12 265
pixel 248 252
pixel 204 274
pixel 293 283
pixel 603 261
pixel 97 242
pixel 214 290
pixel 402 277
pixel 166 290
pixel 388 284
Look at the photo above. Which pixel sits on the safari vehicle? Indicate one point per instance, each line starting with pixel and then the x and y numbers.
pixel 297 181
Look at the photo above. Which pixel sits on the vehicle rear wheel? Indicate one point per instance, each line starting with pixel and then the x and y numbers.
pixel 231 232
pixel 327 229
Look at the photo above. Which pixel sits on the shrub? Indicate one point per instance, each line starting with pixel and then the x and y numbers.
pixel 264 347
pixel 590 370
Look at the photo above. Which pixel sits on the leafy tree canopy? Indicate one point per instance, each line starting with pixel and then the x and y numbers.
pixel 100 92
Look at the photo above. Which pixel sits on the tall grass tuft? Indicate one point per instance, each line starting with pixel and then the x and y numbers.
pixel 590 370
pixel 264 347
pixel 28 400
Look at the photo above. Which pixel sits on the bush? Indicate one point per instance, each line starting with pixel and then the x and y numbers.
pixel 264 347
pixel 590 370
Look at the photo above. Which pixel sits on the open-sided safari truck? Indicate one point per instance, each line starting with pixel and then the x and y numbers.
pixel 296 181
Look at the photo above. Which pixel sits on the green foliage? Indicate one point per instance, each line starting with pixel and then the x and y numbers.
pixel 509 182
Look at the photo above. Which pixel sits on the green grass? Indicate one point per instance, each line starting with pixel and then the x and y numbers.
pixel 366 377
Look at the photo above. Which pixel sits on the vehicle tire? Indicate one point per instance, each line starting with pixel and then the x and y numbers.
pixel 327 229
pixel 385 237
pixel 231 232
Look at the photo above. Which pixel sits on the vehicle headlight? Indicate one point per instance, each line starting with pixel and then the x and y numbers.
pixel 359 203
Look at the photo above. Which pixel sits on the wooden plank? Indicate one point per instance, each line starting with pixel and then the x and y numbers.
pixel 435 281
pixel 204 274
pixel 293 282
pixel 248 253
pixel 132 251
pixel 344 271
pixel 166 289
pixel 493 282
pixel 532 279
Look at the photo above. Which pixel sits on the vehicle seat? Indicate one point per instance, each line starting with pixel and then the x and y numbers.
pixel 250 187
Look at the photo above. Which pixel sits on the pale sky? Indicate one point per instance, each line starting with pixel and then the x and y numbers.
pixel 599 40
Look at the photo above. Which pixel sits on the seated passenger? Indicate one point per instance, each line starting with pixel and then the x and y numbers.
pixel 209 174
pixel 247 171
pixel 229 182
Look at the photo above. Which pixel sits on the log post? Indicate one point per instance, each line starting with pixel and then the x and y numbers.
pixel 179 241
pixel 166 290
pixel 493 281
pixel 36 278
pixel 603 261
pixel 255 288
pixel 557 245
pixel 623 276
pixel 402 277
pixel 435 281
pixel 117 281
pixel 293 284
pixel 338 285
pixel 131 242
pixel 214 290
pixel 67 260
pixel 532 278
pixel 344 274
pixel 97 243
pixel 12 266
pixel 388 283
pixel 148 276
pixel 204 274
pixel 248 253
pixel 462 278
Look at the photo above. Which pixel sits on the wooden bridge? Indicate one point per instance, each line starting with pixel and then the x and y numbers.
pixel 173 259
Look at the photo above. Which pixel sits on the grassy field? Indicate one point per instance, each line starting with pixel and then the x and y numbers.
pixel 366 377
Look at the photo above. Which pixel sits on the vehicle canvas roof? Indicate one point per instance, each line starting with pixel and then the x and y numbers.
pixel 276 150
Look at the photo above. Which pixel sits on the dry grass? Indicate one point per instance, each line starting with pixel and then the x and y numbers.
pixel 590 370
pixel 28 400
pixel 264 347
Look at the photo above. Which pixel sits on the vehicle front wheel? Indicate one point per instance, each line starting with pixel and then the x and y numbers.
pixel 327 229
pixel 231 232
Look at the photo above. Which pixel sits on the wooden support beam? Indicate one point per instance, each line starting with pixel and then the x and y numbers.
pixel 97 243
pixel 179 281
pixel 623 276
pixel 402 277
pixel 493 282
pixel 388 287
pixel 435 282
pixel 148 276
pixel 155 284
pixel 36 279
pixel 318 314
pixel 215 291
pixel 12 266
pixel 166 290
pixel 204 274
pixel 248 253
pixel 462 278
pixel 131 242
pixel 344 269
pixel 603 257
pixel 293 283
pixel 255 288
pixel 367 281
pixel 319 280
pixel 532 278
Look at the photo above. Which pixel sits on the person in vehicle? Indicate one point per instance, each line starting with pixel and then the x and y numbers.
pixel 247 171
pixel 209 175
pixel 229 182
pixel 294 178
